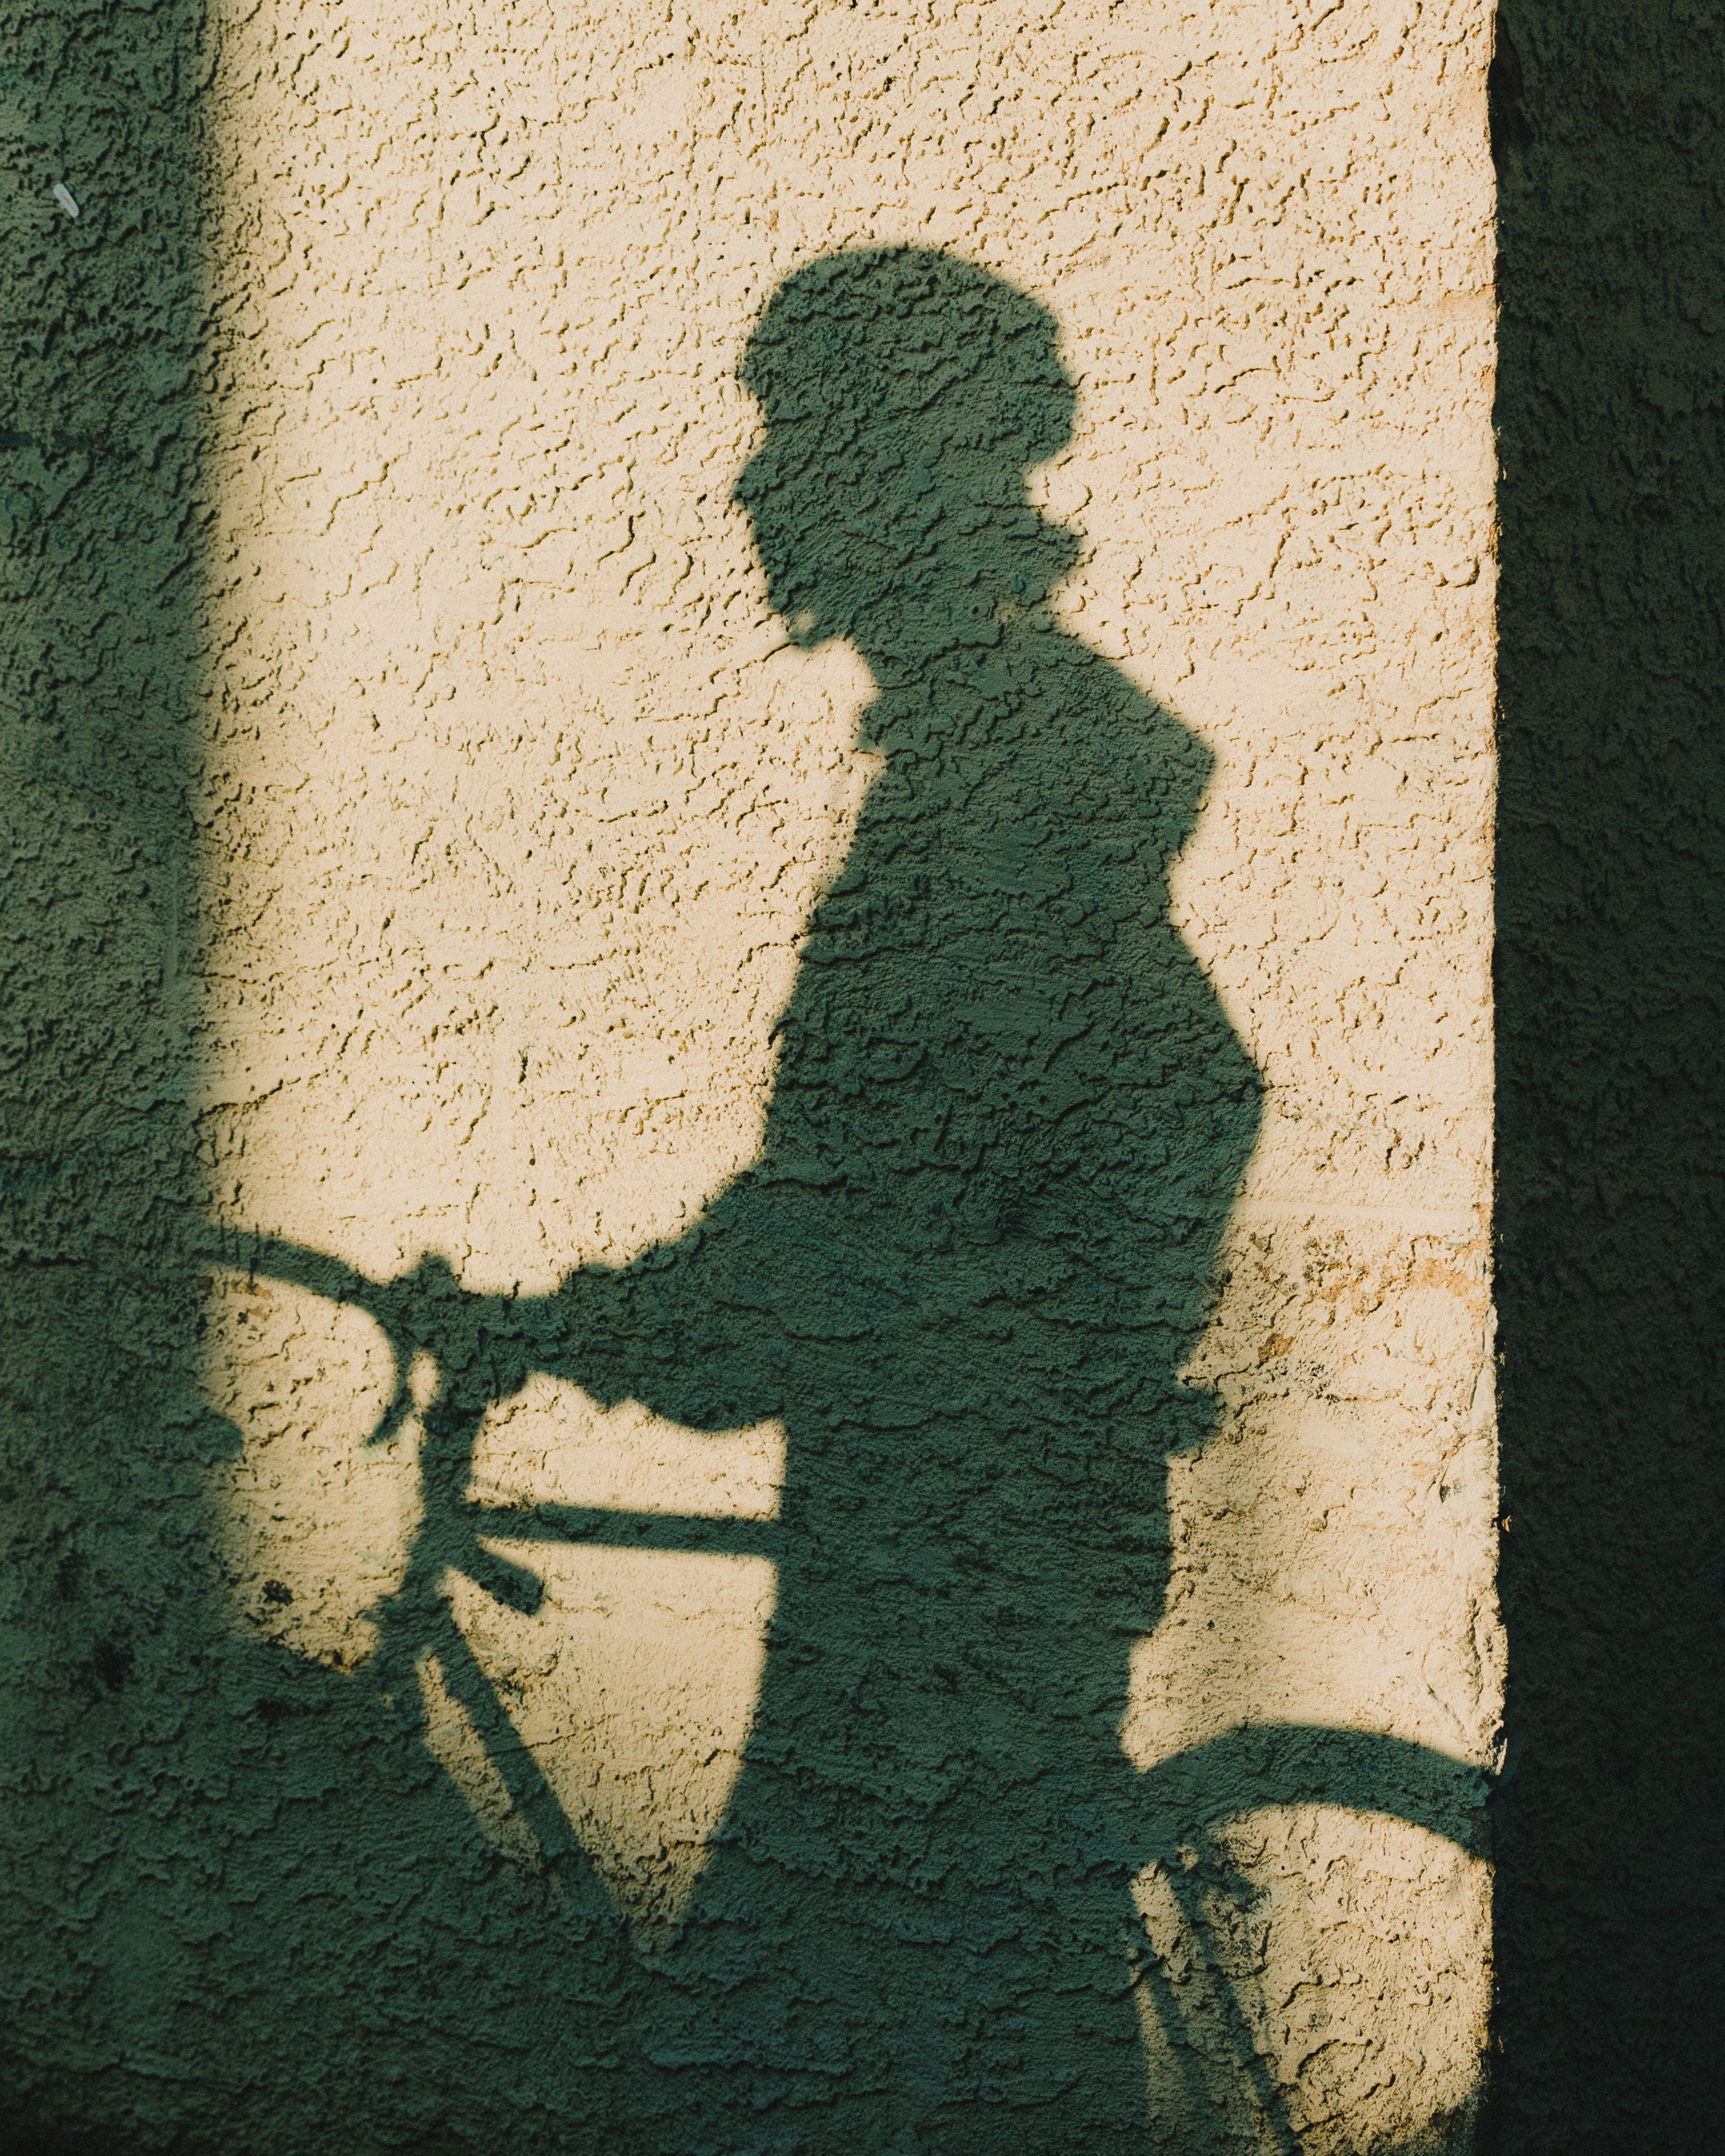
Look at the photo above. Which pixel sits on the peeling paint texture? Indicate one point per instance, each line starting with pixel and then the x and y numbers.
pixel 748 1389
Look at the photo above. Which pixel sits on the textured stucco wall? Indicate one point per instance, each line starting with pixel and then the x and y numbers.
pixel 542 860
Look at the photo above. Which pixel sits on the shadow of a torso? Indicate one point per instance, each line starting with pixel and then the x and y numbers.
pixel 1008 1119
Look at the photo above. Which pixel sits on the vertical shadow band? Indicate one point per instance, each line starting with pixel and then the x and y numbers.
pixel 101 303
pixel 1611 1947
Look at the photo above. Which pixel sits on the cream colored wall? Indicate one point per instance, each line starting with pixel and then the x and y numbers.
pixel 515 801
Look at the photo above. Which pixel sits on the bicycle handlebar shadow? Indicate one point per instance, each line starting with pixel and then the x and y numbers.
pixel 1008 1119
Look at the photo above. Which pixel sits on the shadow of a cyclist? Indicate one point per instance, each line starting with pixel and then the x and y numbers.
pixel 1008 1121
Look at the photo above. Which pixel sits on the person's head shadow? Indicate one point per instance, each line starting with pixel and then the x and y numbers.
pixel 906 394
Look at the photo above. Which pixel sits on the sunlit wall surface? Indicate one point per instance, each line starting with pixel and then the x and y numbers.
pixel 520 808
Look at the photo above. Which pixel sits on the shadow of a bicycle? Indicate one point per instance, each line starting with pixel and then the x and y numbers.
pixel 1170 1822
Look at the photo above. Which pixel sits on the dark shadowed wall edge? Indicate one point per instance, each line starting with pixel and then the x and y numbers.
pixel 218 1934
pixel 100 509
pixel 1607 124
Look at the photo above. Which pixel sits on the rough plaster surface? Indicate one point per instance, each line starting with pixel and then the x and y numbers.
pixel 888 1027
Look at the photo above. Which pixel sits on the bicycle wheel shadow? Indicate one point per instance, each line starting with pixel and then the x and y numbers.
pixel 1009 1122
